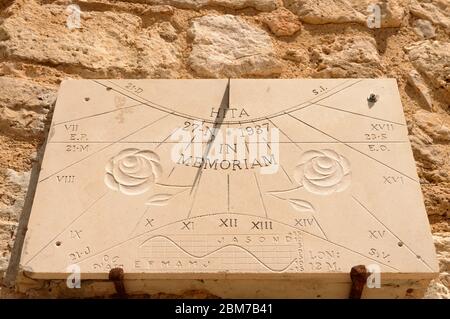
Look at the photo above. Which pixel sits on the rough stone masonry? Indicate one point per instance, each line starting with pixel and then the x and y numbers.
pixel 214 39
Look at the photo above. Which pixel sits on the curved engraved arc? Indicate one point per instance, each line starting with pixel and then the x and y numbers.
pixel 323 172
pixel 98 114
pixel 132 171
pixel 218 249
pixel 120 243
pixel 288 110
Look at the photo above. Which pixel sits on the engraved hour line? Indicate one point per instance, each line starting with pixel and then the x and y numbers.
pixel 173 168
pixel 168 136
pixel 287 175
pixel 228 192
pixel 103 148
pixel 260 194
pixel 245 141
pixel 216 250
pixel 267 142
pixel 355 113
pixel 139 220
pixel 193 200
pixel 189 144
pixel 198 175
pixel 65 228
pixel 355 149
pixel 393 234
pixel 98 114
pixel 309 102
pixel 186 116
pixel 320 227
pixel 227 213
pixel 284 134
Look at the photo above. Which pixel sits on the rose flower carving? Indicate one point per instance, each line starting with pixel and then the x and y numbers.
pixel 323 172
pixel 132 171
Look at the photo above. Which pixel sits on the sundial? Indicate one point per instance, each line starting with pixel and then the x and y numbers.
pixel 227 180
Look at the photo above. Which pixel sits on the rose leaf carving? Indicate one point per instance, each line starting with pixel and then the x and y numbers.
pixel 159 199
pixel 301 205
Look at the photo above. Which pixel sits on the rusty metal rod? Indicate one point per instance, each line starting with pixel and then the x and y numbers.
pixel 359 276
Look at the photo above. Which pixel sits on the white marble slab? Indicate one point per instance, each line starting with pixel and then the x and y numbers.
pixel 340 187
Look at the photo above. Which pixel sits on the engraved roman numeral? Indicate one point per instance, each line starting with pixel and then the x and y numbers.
pixel 261 225
pixel 76 234
pixel 149 222
pixel 382 127
pixel 188 226
pixel 71 127
pixel 304 222
pixel 393 180
pixel 228 222
pixel 376 234
pixel 66 179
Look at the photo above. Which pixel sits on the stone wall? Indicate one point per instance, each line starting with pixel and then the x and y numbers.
pixel 41 44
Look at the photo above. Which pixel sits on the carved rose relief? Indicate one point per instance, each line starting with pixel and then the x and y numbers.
pixel 323 172
pixel 132 171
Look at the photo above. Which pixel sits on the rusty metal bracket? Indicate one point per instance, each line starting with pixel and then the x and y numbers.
pixel 359 276
pixel 116 275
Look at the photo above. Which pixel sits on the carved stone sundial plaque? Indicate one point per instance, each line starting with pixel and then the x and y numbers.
pixel 243 188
